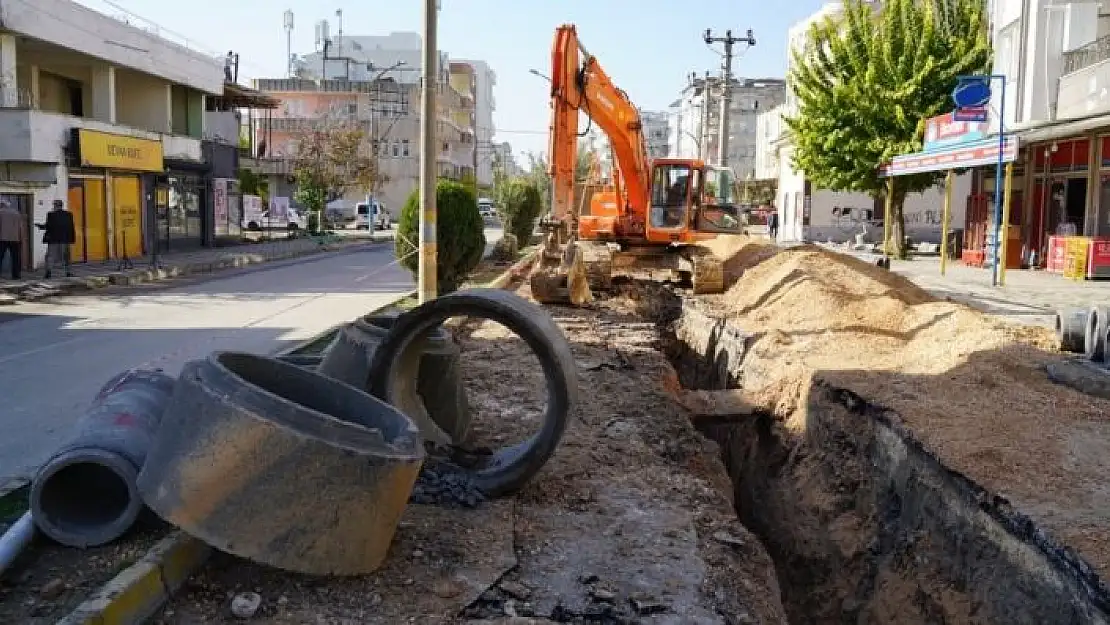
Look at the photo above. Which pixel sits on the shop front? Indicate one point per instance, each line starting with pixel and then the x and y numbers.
pixel 1069 207
pixel 105 193
pixel 181 207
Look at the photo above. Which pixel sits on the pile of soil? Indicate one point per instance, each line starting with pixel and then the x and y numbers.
pixel 972 388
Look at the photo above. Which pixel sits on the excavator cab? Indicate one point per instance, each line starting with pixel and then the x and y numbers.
pixel 688 198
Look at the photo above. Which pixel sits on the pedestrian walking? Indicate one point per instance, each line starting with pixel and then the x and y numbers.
pixel 773 225
pixel 12 235
pixel 59 234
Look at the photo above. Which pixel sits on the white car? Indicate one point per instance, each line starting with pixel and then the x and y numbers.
pixel 262 221
pixel 485 209
pixel 372 215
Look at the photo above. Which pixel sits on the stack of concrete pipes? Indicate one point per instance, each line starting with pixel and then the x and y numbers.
pixel 1085 330
pixel 299 463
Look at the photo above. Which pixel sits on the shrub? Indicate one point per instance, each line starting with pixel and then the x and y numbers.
pixel 519 206
pixel 460 238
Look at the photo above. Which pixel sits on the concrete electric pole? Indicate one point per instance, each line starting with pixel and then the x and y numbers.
pixel 703 145
pixel 726 89
pixel 426 276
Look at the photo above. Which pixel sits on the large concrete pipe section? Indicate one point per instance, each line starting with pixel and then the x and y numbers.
pixel 278 464
pixel 1094 339
pixel 393 372
pixel 1071 329
pixel 85 494
pixel 436 399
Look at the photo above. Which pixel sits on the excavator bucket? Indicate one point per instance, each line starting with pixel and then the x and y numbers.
pixel 560 278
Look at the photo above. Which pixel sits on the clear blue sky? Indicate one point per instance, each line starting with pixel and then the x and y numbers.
pixel 646 46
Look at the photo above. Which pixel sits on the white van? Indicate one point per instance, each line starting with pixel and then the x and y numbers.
pixel 372 213
pixel 486 208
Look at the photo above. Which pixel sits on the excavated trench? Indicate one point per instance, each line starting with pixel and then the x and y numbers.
pixel 864 524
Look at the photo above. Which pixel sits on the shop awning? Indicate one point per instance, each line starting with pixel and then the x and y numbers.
pixel 959 157
pixel 238 96
pixel 1060 130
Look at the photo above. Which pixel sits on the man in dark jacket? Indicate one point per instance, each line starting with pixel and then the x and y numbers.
pixel 59 234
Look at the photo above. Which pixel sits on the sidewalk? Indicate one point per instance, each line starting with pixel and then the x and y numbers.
pixel 1029 297
pixel 87 276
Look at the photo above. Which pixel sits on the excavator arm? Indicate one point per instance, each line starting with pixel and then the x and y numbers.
pixel 579 84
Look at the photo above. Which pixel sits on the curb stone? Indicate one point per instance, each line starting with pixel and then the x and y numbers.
pixel 139 591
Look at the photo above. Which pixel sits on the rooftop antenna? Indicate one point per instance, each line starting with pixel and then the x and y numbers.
pixel 287 18
pixel 339 32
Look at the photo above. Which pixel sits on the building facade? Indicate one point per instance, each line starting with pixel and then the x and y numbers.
pixel 656 133
pixel 695 119
pixel 108 118
pixel 484 106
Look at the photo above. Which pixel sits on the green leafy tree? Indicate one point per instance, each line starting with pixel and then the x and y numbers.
pixel 867 82
pixel 331 159
pixel 519 206
pixel 460 236
pixel 251 183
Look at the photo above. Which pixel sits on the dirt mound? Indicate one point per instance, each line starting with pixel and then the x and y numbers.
pixel 739 253
pixel 973 388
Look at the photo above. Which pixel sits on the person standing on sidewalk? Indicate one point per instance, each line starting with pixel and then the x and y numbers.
pixel 12 234
pixel 59 234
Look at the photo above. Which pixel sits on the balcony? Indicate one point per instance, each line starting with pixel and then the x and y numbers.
pixel 1084 89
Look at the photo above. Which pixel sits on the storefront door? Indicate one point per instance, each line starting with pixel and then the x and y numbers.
pixel 90 219
pixel 127 201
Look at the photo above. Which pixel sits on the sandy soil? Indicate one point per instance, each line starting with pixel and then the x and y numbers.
pixel 972 388
pixel 631 521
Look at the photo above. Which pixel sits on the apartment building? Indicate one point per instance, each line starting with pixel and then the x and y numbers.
pixel 503 156
pixel 768 128
pixel 108 118
pixel 484 106
pixel 656 131
pixel 695 119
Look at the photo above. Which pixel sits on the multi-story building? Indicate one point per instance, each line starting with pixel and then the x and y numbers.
pixel 387 111
pixel 503 156
pixel 694 128
pixel 655 132
pixel 398 56
pixel 109 119
pixel 484 106
pixel 768 128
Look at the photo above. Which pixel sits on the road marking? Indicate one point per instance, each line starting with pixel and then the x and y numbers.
pixel 38 350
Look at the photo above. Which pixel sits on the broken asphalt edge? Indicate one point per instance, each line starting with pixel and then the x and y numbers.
pixel 171 270
pixel 137 593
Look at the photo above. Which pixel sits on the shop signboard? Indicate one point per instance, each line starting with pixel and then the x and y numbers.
pixel 945 131
pixel 1098 258
pixel 119 152
pixel 959 157
pixel 972 96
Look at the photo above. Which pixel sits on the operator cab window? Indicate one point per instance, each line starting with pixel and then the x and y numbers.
pixel 670 190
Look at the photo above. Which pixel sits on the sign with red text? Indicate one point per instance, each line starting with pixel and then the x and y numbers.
pixel 945 131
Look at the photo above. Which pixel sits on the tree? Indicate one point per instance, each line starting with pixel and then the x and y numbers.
pixel 519 207
pixel 460 236
pixel 867 82
pixel 330 159
pixel 538 171
pixel 251 183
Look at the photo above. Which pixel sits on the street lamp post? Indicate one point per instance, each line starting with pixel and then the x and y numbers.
pixel 426 276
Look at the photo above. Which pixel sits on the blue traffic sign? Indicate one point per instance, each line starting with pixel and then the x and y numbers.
pixel 972 92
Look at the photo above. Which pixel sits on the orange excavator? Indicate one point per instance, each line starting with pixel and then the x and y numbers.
pixel 647 217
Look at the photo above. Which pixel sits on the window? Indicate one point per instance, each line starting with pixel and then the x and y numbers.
pixel 396 149
pixel 669 193
pixel 404 147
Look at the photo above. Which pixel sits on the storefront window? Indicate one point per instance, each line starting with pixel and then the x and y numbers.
pixel 1102 219
pixel 180 224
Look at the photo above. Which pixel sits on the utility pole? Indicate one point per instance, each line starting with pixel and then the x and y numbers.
pixel 426 276
pixel 726 94
pixel 703 144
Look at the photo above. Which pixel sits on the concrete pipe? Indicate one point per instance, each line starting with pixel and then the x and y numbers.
pixel 395 361
pixel 280 465
pixel 308 361
pixel 1071 329
pixel 1094 338
pixel 436 402
pixel 15 540
pixel 85 494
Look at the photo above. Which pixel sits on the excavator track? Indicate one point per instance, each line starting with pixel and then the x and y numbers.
pixel 707 273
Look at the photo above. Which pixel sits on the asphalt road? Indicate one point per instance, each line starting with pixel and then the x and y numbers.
pixel 57 354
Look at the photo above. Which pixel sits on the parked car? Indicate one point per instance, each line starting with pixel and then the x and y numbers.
pixel 486 208
pixel 372 215
pixel 262 221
